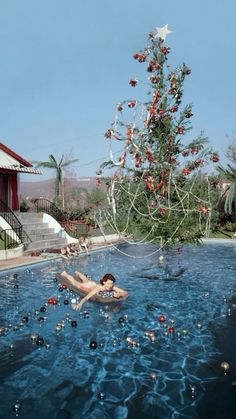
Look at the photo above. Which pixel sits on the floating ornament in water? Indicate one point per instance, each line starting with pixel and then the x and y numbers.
pixel 73 301
pixel 171 330
pixel 47 346
pixel 16 286
pixel 229 312
pixel 39 341
pixel 41 319
pixel 73 323
pixel 93 344
pixel 42 309
pixel 53 301
pixel 101 395
pixel 206 295
pixel 114 342
pixel 199 325
pixel 161 318
pixel 16 407
pixel 121 321
pixel 58 328
pixel 15 276
pixel 25 319
pixel 153 376
pixel 33 337
pixel 85 314
pixel 66 302
pixel 12 346
pixel 225 366
pixel 172 321
pixel 192 389
pixel 15 328
pixel 184 332
pixel 131 342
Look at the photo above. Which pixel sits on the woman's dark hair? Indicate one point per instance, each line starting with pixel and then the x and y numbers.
pixel 107 277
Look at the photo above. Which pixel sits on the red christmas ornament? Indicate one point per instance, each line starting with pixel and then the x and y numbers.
pixel 154 79
pixel 161 318
pixel 204 210
pixel 155 97
pixel 149 156
pixel 108 133
pixel 52 301
pixel 132 104
pixel 140 57
pixel 171 330
pixel 214 158
pixel 179 130
pixel 150 183
pixel 133 82
pixel 185 153
pixel 165 50
pixel 162 211
pixel 186 171
pixel 98 182
pixel 173 109
pixel 195 150
pixel 198 163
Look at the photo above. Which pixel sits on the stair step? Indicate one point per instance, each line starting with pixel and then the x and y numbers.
pixel 29 216
pixel 46 244
pixel 41 236
pixel 34 231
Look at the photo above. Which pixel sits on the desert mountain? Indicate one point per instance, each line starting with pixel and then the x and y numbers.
pixel 45 188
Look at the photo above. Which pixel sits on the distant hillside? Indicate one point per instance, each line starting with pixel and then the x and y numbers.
pixel 45 188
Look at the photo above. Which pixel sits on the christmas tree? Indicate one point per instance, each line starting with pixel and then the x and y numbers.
pixel 157 192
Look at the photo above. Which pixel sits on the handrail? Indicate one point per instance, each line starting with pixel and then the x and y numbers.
pixel 44 205
pixel 10 237
pixel 11 219
pixel 76 229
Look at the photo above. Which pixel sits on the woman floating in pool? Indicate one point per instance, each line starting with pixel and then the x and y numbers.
pixel 104 292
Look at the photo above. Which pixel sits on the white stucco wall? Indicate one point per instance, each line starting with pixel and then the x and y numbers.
pixel 7 160
pixel 58 228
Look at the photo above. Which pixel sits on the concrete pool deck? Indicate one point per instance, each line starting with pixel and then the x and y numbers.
pixel 26 260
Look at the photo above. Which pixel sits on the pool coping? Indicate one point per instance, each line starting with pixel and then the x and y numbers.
pixel 22 261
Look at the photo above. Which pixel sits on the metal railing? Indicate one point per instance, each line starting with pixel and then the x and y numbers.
pixel 74 228
pixel 16 226
pixel 11 218
pixel 44 205
pixel 10 237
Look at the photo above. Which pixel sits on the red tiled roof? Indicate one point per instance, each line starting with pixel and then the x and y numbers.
pixel 8 169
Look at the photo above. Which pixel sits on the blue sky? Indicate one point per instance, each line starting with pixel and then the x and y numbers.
pixel 66 63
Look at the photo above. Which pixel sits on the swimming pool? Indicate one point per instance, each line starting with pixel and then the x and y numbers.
pixel 149 356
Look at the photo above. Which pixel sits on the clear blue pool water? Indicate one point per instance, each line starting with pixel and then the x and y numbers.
pixel 161 377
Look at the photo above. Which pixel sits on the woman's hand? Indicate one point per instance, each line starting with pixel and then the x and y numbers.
pixel 76 307
pixel 117 294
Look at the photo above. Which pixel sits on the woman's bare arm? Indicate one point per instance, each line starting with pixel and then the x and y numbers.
pixel 94 291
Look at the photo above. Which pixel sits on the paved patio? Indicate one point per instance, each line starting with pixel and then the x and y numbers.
pixel 24 260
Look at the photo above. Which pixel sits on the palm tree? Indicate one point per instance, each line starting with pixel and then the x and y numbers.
pixel 58 167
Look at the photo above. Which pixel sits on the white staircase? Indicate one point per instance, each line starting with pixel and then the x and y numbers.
pixel 41 235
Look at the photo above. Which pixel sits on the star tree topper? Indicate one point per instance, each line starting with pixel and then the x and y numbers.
pixel 162 32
